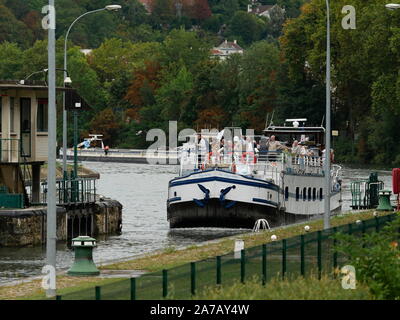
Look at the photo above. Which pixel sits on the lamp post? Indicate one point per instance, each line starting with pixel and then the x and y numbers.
pixel 52 141
pixel 392 6
pixel 328 122
pixel 113 7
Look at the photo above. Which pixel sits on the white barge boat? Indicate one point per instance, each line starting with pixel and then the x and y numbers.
pixel 234 190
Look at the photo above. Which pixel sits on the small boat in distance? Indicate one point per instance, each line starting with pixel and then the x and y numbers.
pixel 225 182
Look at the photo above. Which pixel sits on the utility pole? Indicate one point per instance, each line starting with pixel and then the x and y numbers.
pixel 328 123
pixel 52 142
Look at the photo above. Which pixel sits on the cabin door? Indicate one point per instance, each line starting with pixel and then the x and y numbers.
pixel 26 130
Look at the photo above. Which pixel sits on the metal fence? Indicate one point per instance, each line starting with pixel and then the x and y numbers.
pixel 80 190
pixel 306 254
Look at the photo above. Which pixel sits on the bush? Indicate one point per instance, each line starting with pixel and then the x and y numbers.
pixel 376 258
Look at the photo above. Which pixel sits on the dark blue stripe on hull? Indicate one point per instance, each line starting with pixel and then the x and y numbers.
pixel 227 180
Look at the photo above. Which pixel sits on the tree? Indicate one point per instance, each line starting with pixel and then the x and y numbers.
pixel 258 84
pixel 184 46
pixel 115 57
pixel 105 123
pixel 174 93
pixel 141 91
pixel 248 27
pixel 12 30
pixel 10 60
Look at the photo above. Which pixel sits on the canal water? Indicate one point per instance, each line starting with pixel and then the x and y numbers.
pixel 142 190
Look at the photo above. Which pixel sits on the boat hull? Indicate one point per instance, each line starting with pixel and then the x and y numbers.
pixel 243 215
pixel 198 200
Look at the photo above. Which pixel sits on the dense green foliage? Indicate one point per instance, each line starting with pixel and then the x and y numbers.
pixel 376 259
pixel 146 69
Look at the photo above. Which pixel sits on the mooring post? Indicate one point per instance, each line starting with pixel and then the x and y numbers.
pixel 242 265
pixel 98 292
pixel 302 266
pixel 319 253
pixel 193 278
pixel 219 270
pixel 283 258
pixel 133 288
pixel 165 283
pixel 264 264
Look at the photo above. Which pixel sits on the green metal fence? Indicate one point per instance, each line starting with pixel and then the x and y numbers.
pixel 306 254
pixel 71 190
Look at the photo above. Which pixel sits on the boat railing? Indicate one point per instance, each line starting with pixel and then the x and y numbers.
pixel 263 165
pixel 303 164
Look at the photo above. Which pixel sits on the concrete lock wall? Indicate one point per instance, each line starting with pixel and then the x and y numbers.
pixel 27 227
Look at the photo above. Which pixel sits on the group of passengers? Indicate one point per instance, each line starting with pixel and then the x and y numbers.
pixel 241 147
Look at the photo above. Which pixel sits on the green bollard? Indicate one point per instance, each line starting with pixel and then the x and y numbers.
pixel 384 201
pixel 83 265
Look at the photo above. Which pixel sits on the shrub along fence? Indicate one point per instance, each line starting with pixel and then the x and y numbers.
pixel 306 254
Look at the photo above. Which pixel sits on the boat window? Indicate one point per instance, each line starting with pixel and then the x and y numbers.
pixel 321 194
pixel 287 193
pixel 309 194
pixel 297 194
pixel 314 194
pixel 304 194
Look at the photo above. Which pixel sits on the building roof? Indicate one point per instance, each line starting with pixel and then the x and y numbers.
pixel 30 85
pixel 261 9
pixel 229 45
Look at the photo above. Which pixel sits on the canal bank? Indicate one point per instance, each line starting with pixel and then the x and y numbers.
pixel 173 257
pixel 142 190
pixel 27 227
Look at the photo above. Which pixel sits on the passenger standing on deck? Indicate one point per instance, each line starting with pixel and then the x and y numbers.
pixel 273 147
pixel 202 150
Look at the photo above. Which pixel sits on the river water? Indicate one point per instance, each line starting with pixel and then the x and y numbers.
pixel 142 190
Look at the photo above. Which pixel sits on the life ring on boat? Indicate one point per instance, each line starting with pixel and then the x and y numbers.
pixel 244 157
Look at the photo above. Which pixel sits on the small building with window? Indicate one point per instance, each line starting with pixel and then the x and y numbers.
pixel 23 141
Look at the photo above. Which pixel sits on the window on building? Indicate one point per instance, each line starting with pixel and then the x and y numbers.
pixel 12 114
pixel 297 194
pixel 309 194
pixel 42 115
pixel 314 194
pixel 304 194
pixel 286 193
pixel 321 193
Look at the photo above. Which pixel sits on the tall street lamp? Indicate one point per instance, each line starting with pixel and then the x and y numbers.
pixel 110 8
pixel 51 219
pixel 328 122
pixel 392 6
